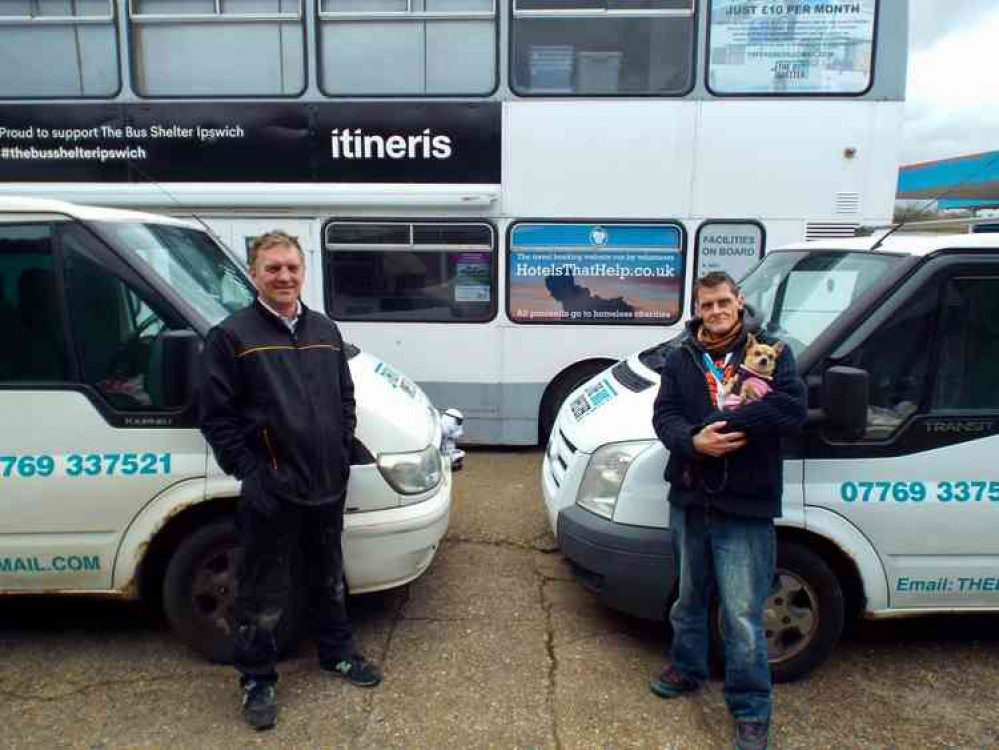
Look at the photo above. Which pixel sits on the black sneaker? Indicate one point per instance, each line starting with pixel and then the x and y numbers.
pixel 672 684
pixel 260 708
pixel 358 670
pixel 751 735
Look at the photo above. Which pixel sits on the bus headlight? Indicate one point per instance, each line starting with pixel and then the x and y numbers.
pixel 412 473
pixel 604 475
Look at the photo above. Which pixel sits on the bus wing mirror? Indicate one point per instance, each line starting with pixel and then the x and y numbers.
pixel 180 367
pixel 845 399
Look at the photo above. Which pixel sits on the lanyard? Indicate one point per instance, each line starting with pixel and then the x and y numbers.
pixel 718 376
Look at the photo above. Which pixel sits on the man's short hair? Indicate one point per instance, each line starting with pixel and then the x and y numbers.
pixel 275 238
pixel 713 280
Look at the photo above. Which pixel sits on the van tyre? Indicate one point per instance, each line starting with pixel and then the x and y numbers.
pixel 803 617
pixel 199 594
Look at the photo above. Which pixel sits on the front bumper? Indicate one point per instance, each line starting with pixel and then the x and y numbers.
pixel 630 568
pixel 386 548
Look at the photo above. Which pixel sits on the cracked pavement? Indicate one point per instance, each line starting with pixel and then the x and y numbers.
pixel 496 646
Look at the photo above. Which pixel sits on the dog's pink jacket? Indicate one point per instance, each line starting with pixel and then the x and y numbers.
pixel 758 385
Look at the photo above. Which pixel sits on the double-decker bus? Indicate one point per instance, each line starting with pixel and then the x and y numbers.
pixel 500 196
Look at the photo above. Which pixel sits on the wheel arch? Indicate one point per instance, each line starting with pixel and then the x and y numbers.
pixel 155 533
pixel 850 556
pixel 577 371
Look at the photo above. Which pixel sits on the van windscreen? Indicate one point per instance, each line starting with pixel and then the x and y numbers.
pixel 798 294
pixel 187 259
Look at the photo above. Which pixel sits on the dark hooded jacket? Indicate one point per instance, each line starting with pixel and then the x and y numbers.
pixel 278 407
pixel 748 482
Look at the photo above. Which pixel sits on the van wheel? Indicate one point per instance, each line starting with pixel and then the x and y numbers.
pixel 199 594
pixel 803 616
pixel 559 392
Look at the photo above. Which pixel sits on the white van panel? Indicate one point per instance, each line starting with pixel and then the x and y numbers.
pixel 100 477
pixel 958 563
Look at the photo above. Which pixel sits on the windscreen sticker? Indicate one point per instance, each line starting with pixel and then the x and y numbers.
pixel 473 277
pixel 396 380
pixel 592 398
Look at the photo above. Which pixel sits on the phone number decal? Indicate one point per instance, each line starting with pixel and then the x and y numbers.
pixel 917 492
pixel 84 465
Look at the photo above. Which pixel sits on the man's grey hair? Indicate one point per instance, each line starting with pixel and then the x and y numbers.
pixel 275 238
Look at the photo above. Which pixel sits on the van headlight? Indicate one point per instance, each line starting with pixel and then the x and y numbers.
pixel 412 473
pixel 604 475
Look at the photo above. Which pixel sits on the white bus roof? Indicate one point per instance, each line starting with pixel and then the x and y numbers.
pixel 84 213
pixel 902 243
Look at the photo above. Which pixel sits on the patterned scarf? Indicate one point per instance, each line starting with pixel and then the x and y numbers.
pixel 717 348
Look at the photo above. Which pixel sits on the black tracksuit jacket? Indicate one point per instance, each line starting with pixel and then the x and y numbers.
pixel 280 403
pixel 748 482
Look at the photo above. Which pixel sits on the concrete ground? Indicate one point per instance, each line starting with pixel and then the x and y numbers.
pixel 494 647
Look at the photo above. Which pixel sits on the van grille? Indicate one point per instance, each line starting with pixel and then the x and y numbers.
pixel 630 379
pixel 829 230
pixel 560 453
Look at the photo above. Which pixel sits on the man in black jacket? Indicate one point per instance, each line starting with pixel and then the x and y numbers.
pixel 726 479
pixel 277 407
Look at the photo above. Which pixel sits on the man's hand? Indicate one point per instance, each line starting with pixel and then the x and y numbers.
pixel 710 442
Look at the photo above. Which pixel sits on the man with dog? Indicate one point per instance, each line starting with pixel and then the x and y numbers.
pixel 726 481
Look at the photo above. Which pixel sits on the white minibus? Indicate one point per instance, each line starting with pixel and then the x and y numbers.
pixel 106 484
pixel 891 495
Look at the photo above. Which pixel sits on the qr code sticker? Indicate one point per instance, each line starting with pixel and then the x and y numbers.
pixel 580 407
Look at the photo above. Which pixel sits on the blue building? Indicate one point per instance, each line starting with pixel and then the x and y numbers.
pixel 962 182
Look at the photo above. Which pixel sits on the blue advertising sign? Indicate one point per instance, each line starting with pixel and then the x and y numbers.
pixel 595 273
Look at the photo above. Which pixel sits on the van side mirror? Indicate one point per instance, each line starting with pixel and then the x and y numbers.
pixel 179 367
pixel 845 399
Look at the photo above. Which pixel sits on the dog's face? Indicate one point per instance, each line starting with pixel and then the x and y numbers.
pixel 762 358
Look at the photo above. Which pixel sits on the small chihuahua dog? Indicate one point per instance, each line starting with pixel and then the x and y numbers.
pixel 757 370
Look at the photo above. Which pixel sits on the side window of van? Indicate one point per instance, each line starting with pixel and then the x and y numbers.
pixel 34 338
pixel 117 334
pixel 969 346
pixel 897 359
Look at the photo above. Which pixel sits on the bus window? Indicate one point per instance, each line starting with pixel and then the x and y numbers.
pixel 79 43
pixel 205 48
pixel 809 48
pixel 410 272
pixel 730 246
pixel 595 273
pixel 588 47
pixel 416 47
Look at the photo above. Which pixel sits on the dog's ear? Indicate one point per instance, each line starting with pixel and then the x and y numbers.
pixel 751 341
pixel 778 348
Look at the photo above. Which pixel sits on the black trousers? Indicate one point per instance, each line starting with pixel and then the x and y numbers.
pixel 272 532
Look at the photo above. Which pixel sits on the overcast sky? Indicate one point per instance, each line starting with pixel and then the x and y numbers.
pixel 952 106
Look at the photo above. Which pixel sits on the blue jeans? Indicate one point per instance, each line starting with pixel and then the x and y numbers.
pixel 736 554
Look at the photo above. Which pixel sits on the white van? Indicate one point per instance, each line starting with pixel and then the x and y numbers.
pixel 106 484
pixel 891 497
